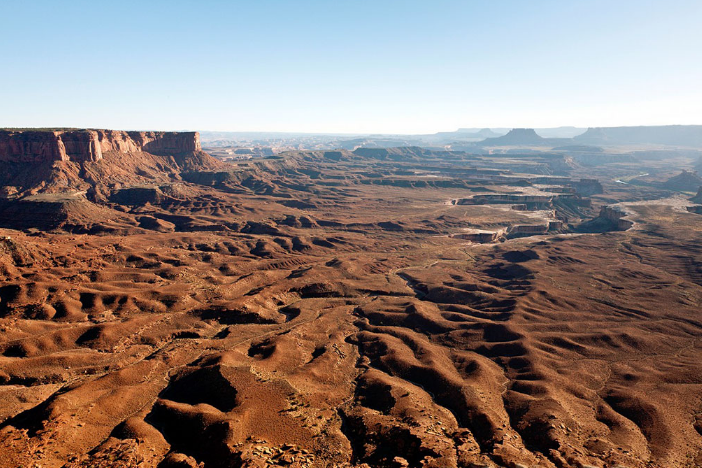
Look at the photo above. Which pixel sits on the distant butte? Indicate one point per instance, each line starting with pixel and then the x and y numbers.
pixel 523 137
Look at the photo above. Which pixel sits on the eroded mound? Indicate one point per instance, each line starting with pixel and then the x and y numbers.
pixel 330 309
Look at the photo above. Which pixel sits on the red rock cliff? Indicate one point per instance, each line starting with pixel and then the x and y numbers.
pixel 89 145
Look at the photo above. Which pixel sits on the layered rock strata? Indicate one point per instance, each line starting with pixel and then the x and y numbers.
pixel 89 145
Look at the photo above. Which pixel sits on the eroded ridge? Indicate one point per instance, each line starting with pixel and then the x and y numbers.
pixel 305 311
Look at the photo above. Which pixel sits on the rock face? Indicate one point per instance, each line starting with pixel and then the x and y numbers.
pixel 89 145
pixel 587 187
pixel 617 215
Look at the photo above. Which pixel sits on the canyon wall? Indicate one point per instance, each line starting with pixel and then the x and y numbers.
pixel 519 230
pixel 587 187
pixel 89 145
pixel 617 215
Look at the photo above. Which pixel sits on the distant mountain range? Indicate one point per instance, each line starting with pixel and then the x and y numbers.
pixel 669 135
pixel 466 138
pixel 549 132
pixel 210 138
pixel 677 135
pixel 468 133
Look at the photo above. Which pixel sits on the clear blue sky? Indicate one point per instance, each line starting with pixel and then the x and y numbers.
pixel 350 65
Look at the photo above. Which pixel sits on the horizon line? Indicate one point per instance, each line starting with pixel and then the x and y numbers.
pixel 341 133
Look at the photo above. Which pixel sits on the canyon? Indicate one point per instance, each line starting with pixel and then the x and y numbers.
pixel 381 307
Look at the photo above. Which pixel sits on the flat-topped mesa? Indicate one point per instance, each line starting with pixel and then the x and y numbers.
pixel 167 143
pixel 516 136
pixel 89 145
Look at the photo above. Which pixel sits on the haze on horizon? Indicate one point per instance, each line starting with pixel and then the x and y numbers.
pixel 351 67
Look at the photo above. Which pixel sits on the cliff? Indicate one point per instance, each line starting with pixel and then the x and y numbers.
pixel 587 187
pixel 89 145
pixel 611 218
pixel 617 215
pixel 67 160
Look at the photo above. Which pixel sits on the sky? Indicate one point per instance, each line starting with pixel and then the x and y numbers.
pixel 351 66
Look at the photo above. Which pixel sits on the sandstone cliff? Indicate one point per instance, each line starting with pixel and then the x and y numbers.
pixel 89 145
pixel 68 160
pixel 611 218
pixel 617 215
pixel 587 187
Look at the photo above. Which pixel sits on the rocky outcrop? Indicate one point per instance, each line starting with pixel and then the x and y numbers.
pixel 168 142
pixel 686 181
pixel 479 236
pixel 138 196
pixel 37 146
pixel 530 202
pixel 587 187
pixel 611 218
pixel 89 145
pixel 69 212
pixel 697 198
pixel 96 161
pixel 617 215
pixel 524 230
